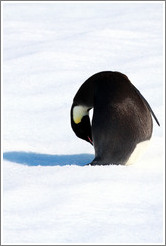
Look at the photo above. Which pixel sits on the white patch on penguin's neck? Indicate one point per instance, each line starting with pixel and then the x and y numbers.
pixel 79 112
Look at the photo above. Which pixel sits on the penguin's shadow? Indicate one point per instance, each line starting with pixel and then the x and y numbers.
pixel 37 159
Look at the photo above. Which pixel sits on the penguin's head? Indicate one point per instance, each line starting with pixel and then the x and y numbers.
pixel 80 122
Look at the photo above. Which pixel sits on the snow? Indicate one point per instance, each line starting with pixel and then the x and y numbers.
pixel 49 195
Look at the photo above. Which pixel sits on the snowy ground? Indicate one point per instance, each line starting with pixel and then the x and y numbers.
pixel 49 196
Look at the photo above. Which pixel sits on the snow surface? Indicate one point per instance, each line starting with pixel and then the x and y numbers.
pixel 49 196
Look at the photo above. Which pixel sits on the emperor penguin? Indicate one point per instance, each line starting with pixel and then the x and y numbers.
pixel 121 118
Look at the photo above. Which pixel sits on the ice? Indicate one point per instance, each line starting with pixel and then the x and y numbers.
pixel 49 196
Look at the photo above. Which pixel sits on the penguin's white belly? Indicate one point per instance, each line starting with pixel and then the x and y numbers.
pixel 139 150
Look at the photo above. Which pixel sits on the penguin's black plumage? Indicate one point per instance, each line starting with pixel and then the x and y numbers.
pixel 121 117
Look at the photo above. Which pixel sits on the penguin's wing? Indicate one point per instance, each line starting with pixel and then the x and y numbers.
pixel 147 104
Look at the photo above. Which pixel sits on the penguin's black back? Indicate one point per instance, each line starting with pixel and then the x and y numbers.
pixel 121 118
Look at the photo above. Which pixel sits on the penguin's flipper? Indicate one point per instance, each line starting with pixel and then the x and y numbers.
pixel 147 104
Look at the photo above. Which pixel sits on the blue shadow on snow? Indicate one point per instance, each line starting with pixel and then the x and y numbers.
pixel 36 159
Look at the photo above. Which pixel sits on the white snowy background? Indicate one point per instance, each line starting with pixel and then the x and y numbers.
pixel 49 196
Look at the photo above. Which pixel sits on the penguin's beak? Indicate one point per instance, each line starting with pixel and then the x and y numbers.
pixel 90 140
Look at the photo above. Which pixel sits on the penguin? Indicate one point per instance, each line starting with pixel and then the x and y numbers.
pixel 121 122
